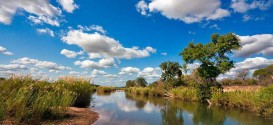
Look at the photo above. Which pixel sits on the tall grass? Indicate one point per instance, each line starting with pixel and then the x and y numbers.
pixel 260 101
pixel 185 93
pixel 24 98
pixel 80 86
pixel 146 91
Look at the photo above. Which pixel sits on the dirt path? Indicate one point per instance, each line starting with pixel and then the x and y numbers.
pixel 79 116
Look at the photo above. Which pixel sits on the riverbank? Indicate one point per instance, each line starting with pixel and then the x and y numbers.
pixel 25 99
pixel 253 98
pixel 71 116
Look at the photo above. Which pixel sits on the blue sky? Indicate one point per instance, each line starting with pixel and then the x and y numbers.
pixel 113 41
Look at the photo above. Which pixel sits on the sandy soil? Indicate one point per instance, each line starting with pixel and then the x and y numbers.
pixel 79 116
pixel 76 116
pixel 241 88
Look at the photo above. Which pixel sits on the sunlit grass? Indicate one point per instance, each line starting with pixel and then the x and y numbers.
pixel 24 98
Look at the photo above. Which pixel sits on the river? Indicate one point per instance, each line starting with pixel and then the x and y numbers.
pixel 120 108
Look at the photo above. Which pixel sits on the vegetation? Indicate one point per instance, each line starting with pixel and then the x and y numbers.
pixel 201 84
pixel 264 75
pixel 170 70
pixel 213 57
pixel 105 89
pixel 25 99
pixel 138 82
pixel 259 101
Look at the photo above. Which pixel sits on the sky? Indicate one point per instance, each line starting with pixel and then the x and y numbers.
pixel 115 41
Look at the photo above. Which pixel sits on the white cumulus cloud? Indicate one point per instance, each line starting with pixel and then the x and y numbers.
pixel 41 11
pixel 46 31
pixel 70 54
pixel 129 70
pixel 40 64
pixel 102 63
pixel 184 10
pixel 256 44
pixel 68 5
pixel 99 45
pixel 4 51
pixel 242 6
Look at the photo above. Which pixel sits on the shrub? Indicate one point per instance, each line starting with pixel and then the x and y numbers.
pixel 105 89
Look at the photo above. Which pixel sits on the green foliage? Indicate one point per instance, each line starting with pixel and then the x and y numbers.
pixel 212 56
pixel 130 83
pixel 138 82
pixel 170 70
pixel 203 92
pixel 264 72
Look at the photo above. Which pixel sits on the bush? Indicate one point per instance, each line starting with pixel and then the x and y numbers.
pixel 105 89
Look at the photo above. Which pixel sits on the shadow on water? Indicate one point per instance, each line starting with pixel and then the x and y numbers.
pixel 124 108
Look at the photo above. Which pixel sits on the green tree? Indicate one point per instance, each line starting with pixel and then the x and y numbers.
pixel 130 83
pixel 140 81
pixel 213 57
pixel 170 70
pixel 263 72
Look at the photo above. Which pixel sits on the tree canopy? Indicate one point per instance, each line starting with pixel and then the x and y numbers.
pixel 138 82
pixel 170 70
pixel 213 56
pixel 264 72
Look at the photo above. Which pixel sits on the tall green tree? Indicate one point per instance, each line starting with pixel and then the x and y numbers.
pixel 130 83
pixel 170 70
pixel 213 56
pixel 141 81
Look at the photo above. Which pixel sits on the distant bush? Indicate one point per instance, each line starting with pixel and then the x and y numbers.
pixel 146 91
pixel 230 82
pixel 105 89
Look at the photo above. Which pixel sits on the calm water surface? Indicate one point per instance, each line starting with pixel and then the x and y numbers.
pixel 120 108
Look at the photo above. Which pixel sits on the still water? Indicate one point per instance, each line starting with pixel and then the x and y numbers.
pixel 120 108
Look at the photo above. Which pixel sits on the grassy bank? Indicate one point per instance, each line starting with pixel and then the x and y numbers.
pixel 260 101
pixel 25 99
pixel 146 91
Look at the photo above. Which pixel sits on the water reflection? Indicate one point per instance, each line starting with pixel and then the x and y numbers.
pixel 121 108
